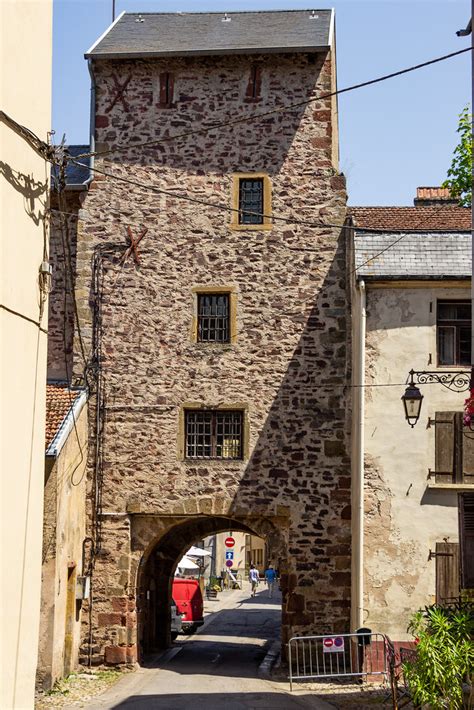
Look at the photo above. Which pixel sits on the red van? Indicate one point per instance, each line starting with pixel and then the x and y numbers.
pixel 188 598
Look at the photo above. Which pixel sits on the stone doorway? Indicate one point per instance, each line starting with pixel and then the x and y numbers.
pixel 158 564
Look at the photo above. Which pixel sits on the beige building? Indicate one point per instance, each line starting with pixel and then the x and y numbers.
pixel 25 97
pixel 65 573
pixel 411 310
pixel 247 549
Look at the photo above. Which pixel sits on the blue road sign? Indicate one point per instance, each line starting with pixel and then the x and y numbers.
pixel 229 554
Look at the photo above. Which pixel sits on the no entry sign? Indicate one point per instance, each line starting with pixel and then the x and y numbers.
pixel 333 644
pixel 229 542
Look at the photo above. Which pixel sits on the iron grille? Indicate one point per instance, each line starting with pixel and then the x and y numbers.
pixel 213 434
pixel 251 201
pixel 213 318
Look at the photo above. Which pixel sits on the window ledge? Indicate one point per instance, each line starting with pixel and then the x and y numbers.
pixel 250 227
pixel 451 486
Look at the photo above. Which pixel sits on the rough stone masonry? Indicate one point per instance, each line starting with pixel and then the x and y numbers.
pixel 287 367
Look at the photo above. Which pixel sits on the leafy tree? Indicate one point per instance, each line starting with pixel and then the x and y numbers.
pixel 445 656
pixel 459 180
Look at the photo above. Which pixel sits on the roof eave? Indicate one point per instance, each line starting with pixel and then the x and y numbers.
pixel 208 52
pixel 372 278
pixel 66 427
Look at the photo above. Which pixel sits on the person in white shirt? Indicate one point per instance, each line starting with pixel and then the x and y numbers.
pixel 253 578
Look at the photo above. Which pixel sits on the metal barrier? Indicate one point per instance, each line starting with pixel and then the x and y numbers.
pixel 338 656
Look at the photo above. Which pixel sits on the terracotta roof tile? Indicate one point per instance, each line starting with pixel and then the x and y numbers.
pixel 59 399
pixel 444 218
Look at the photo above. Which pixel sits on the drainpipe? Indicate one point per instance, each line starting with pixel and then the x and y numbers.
pixel 358 463
pixel 92 119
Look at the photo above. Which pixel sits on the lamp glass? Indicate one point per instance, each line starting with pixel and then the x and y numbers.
pixel 412 400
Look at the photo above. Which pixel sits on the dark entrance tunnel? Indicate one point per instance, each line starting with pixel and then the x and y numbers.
pixel 158 566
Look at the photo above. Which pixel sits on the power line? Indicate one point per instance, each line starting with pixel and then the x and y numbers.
pixel 280 109
pixel 235 210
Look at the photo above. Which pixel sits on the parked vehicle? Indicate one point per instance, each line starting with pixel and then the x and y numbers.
pixel 176 621
pixel 188 597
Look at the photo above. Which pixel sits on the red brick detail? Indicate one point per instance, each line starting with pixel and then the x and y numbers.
pixel 115 655
pixel 119 604
pixel 131 654
pixel 109 619
pixel 101 121
pixel 434 218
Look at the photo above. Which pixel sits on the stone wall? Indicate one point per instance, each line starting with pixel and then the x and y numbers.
pixel 288 367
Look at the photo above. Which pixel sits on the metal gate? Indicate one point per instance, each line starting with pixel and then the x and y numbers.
pixel 338 656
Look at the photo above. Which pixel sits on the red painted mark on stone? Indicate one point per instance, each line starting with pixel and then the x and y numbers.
pixel 133 248
pixel 119 90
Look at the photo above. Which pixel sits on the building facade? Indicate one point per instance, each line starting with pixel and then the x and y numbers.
pixel 26 99
pixel 213 315
pixel 412 310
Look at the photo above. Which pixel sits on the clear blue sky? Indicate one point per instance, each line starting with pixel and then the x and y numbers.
pixel 394 136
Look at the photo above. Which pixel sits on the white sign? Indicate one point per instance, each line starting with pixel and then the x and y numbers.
pixel 333 644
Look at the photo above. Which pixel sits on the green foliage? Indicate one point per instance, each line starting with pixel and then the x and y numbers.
pixel 445 655
pixel 459 180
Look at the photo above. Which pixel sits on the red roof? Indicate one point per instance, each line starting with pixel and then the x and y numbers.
pixel 59 399
pixel 442 218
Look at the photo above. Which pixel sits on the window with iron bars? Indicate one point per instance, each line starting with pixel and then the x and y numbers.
pixel 213 318
pixel 214 434
pixel 454 332
pixel 251 201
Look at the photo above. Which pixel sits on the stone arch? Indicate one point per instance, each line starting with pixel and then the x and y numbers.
pixel 157 545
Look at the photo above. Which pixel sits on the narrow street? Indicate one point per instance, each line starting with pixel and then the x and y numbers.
pixel 215 668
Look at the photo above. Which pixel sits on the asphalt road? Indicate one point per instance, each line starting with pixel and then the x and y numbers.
pixel 215 669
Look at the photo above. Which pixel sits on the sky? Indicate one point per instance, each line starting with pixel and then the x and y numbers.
pixel 394 136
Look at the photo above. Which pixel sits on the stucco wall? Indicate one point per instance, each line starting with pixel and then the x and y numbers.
pixel 26 29
pixel 64 531
pixel 404 518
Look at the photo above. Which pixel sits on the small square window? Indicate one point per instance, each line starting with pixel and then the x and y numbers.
pixel 213 318
pixel 454 332
pixel 251 201
pixel 213 434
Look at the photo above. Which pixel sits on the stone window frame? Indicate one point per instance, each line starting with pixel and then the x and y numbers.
pixel 228 406
pixel 267 202
pixel 229 290
pixel 166 90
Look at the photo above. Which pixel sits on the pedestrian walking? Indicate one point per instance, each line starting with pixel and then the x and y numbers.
pixel 271 577
pixel 253 578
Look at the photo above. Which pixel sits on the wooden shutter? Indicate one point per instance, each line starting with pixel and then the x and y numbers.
pixel 254 86
pixel 444 445
pixel 466 538
pixel 166 88
pixel 467 455
pixel 447 572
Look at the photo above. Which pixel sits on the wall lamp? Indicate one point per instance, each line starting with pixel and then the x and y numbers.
pixel 412 397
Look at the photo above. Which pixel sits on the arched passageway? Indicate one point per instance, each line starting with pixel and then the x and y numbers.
pixel 158 564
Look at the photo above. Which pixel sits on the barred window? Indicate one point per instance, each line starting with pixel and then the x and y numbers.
pixel 454 332
pixel 214 434
pixel 213 318
pixel 251 201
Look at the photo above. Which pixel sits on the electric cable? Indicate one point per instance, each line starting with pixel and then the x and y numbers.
pixel 279 109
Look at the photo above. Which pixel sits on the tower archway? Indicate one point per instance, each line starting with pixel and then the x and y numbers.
pixel 159 561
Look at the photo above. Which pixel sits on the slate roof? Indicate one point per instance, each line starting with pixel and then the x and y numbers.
pixel 445 218
pixel 59 399
pixel 207 33
pixel 440 255
pixel 76 176
pixel 440 248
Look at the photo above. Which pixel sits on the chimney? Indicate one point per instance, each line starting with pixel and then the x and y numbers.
pixel 428 196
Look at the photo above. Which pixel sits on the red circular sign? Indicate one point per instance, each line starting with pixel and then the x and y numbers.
pixel 229 542
pixel 229 563
pixel 328 642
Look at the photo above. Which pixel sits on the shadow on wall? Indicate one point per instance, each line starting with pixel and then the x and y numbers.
pixel 29 188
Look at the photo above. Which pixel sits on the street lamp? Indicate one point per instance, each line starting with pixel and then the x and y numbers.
pixel 412 399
